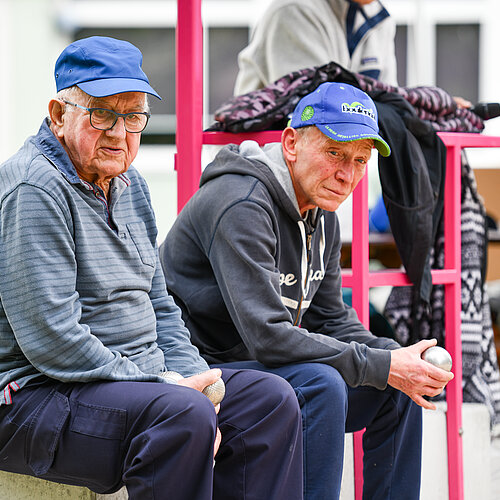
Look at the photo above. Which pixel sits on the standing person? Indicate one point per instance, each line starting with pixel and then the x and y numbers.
pixel 87 327
pixel 295 34
pixel 253 262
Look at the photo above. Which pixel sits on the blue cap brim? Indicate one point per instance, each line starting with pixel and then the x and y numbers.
pixel 112 86
pixel 348 132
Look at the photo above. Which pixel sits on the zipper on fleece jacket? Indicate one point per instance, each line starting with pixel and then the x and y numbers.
pixel 306 244
pixel 306 260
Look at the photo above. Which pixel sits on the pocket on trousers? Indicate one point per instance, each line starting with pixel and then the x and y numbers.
pixel 44 432
pixel 98 421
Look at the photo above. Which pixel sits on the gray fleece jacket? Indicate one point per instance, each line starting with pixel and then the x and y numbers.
pixel 255 280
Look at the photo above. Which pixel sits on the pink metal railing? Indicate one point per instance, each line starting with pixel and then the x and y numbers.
pixel 190 138
pixel 188 98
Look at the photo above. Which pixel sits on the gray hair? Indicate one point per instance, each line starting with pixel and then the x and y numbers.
pixel 304 132
pixel 74 93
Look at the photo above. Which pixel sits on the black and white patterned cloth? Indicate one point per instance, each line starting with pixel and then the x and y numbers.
pixel 481 377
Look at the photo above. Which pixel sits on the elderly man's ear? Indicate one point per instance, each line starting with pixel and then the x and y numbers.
pixel 288 143
pixel 56 112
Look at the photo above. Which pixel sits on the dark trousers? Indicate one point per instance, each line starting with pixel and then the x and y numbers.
pixel 392 442
pixel 157 439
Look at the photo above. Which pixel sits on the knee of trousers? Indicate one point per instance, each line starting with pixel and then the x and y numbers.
pixel 173 431
pixel 183 407
pixel 279 394
pixel 325 382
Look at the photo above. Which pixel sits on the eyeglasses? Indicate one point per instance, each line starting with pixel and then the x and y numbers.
pixel 105 119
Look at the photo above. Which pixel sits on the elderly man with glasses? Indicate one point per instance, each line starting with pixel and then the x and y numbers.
pixel 88 331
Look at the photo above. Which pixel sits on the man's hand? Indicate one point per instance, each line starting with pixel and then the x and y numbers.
pixel 461 102
pixel 415 377
pixel 199 382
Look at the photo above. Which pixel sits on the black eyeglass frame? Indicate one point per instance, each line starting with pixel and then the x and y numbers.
pixel 116 115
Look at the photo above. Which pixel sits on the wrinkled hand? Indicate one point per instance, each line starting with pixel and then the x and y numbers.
pixel 199 382
pixel 415 377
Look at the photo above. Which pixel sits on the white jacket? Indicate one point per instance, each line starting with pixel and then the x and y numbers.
pixel 296 34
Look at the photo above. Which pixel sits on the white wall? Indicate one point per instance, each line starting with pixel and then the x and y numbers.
pixel 30 42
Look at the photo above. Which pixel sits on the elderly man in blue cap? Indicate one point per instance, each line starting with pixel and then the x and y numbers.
pixel 253 262
pixel 88 331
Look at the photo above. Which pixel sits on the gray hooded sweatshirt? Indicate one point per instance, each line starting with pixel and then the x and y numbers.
pixel 256 281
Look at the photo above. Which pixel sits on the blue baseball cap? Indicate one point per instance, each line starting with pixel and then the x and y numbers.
pixel 342 112
pixel 102 66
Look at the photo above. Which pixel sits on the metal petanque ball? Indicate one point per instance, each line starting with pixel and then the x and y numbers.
pixel 215 392
pixel 172 376
pixel 438 357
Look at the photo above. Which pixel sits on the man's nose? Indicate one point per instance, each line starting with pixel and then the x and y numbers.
pixel 118 129
pixel 345 172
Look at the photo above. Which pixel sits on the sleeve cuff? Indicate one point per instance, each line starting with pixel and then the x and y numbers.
pixel 378 364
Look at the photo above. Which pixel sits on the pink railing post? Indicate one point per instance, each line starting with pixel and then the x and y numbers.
pixel 360 248
pixel 360 252
pixel 189 98
pixel 455 142
pixel 453 302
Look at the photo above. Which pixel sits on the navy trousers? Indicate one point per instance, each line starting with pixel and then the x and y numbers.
pixel 157 439
pixel 392 442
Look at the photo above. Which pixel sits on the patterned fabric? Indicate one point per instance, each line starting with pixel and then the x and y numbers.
pixel 432 104
pixel 270 107
pixel 481 377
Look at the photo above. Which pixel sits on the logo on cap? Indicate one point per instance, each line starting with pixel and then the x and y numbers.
pixel 307 113
pixel 358 108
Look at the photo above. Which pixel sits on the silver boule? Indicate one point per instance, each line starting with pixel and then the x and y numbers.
pixel 438 357
pixel 171 376
pixel 215 392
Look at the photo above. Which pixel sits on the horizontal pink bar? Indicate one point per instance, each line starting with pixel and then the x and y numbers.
pixel 398 278
pixel 464 140
pixel 229 138
pixel 468 140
